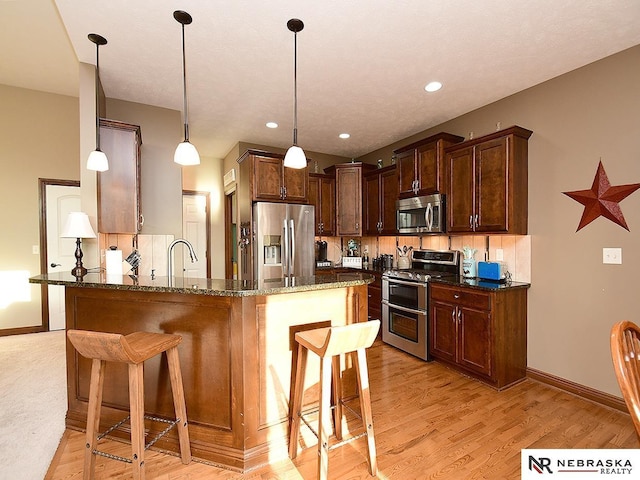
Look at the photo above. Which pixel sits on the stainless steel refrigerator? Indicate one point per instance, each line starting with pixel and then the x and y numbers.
pixel 283 240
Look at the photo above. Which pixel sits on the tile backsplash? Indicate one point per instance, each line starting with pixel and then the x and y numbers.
pixel 516 249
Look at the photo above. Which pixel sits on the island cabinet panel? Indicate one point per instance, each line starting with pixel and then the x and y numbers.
pixel 488 183
pixel 481 332
pixel 236 357
pixel 118 189
pixel 269 180
pixel 421 165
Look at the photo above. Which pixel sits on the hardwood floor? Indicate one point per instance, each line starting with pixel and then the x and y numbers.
pixel 430 423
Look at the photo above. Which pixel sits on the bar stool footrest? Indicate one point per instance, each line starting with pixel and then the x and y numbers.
pixel 171 424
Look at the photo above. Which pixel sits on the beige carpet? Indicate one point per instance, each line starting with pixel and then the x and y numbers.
pixel 33 403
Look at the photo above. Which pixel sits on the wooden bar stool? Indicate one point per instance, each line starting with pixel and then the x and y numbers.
pixel 329 344
pixel 132 349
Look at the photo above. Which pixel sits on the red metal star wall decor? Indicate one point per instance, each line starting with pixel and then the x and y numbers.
pixel 602 199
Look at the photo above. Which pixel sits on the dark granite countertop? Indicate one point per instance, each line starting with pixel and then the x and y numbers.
pixel 478 283
pixel 207 286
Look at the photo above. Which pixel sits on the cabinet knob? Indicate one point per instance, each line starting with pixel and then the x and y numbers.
pixel 357 226
pixel 285 192
pixel 455 295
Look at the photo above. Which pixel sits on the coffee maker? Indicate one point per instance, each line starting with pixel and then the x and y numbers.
pixel 321 254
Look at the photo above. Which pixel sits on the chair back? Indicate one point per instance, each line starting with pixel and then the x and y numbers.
pixel 625 351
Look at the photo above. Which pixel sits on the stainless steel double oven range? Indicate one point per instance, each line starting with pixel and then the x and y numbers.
pixel 405 299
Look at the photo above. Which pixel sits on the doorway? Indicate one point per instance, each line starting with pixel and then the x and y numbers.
pixel 196 229
pixel 57 199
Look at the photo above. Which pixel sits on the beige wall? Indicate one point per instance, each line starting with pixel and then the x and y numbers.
pixel 39 138
pixel 579 118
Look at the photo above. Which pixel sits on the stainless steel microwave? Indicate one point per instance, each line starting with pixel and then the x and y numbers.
pixel 421 215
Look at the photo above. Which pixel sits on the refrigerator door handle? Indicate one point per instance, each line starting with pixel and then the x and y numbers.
pixel 285 245
pixel 293 248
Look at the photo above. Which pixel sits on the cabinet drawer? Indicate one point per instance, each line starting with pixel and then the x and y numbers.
pixel 465 297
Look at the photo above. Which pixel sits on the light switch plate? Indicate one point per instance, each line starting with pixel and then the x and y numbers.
pixel 612 255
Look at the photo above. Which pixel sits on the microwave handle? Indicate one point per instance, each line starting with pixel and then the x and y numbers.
pixel 428 216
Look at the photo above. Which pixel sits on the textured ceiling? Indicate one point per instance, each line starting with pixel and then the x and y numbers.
pixel 362 64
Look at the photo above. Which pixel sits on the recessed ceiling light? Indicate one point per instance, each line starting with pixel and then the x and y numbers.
pixel 272 125
pixel 344 135
pixel 433 86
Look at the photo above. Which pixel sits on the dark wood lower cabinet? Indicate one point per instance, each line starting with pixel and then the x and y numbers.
pixel 480 332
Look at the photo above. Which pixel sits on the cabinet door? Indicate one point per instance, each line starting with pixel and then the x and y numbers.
pixel 442 334
pixel 491 171
pixel 295 184
pixel 349 201
pixel 267 178
pixel 388 196
pixel 328 206
pixel 118 188
pixel 474 351
pixel 314 199
pixel 405 164
pixel 371 195
pixel 429 169
pixel 460 198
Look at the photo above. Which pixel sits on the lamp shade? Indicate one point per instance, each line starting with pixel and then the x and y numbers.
pixel 97 161
pixel 78 226
pixel 186 154
pixel 295 157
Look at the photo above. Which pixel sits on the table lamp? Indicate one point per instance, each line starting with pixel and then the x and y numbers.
pixel 78 227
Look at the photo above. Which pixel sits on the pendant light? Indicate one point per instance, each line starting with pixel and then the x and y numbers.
pixel 295 157
pixel 186 153
pixel 97 159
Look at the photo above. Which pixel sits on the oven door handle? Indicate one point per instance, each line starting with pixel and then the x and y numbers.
pixel 402 282
pixel 404 309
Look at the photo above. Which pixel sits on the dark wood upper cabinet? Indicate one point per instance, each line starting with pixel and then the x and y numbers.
pixel 271 181
pixel 322 195
pixel 349 202
pixel 421 165
pixel 488 183
pixel 118 189
pixel 380 194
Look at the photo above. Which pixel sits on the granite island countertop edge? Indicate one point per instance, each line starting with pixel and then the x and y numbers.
pixel 201 286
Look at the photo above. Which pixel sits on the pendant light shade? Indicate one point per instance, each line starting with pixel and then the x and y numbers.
pixel 97 159
pixel 295 157
pixel 186 152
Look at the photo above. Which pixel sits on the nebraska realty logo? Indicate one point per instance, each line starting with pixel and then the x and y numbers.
pixel 580 463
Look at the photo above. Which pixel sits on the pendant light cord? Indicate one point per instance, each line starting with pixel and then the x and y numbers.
pixel 97 97
pixel 295 88
pixel 184 90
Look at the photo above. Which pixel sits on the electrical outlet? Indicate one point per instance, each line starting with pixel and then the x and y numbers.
pixel 612 255
pixel 499 255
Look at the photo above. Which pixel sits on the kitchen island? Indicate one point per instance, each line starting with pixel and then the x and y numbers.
pixel 235 355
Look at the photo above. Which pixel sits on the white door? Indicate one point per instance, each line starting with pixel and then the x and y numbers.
pixel 194 229
pixel 60 200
